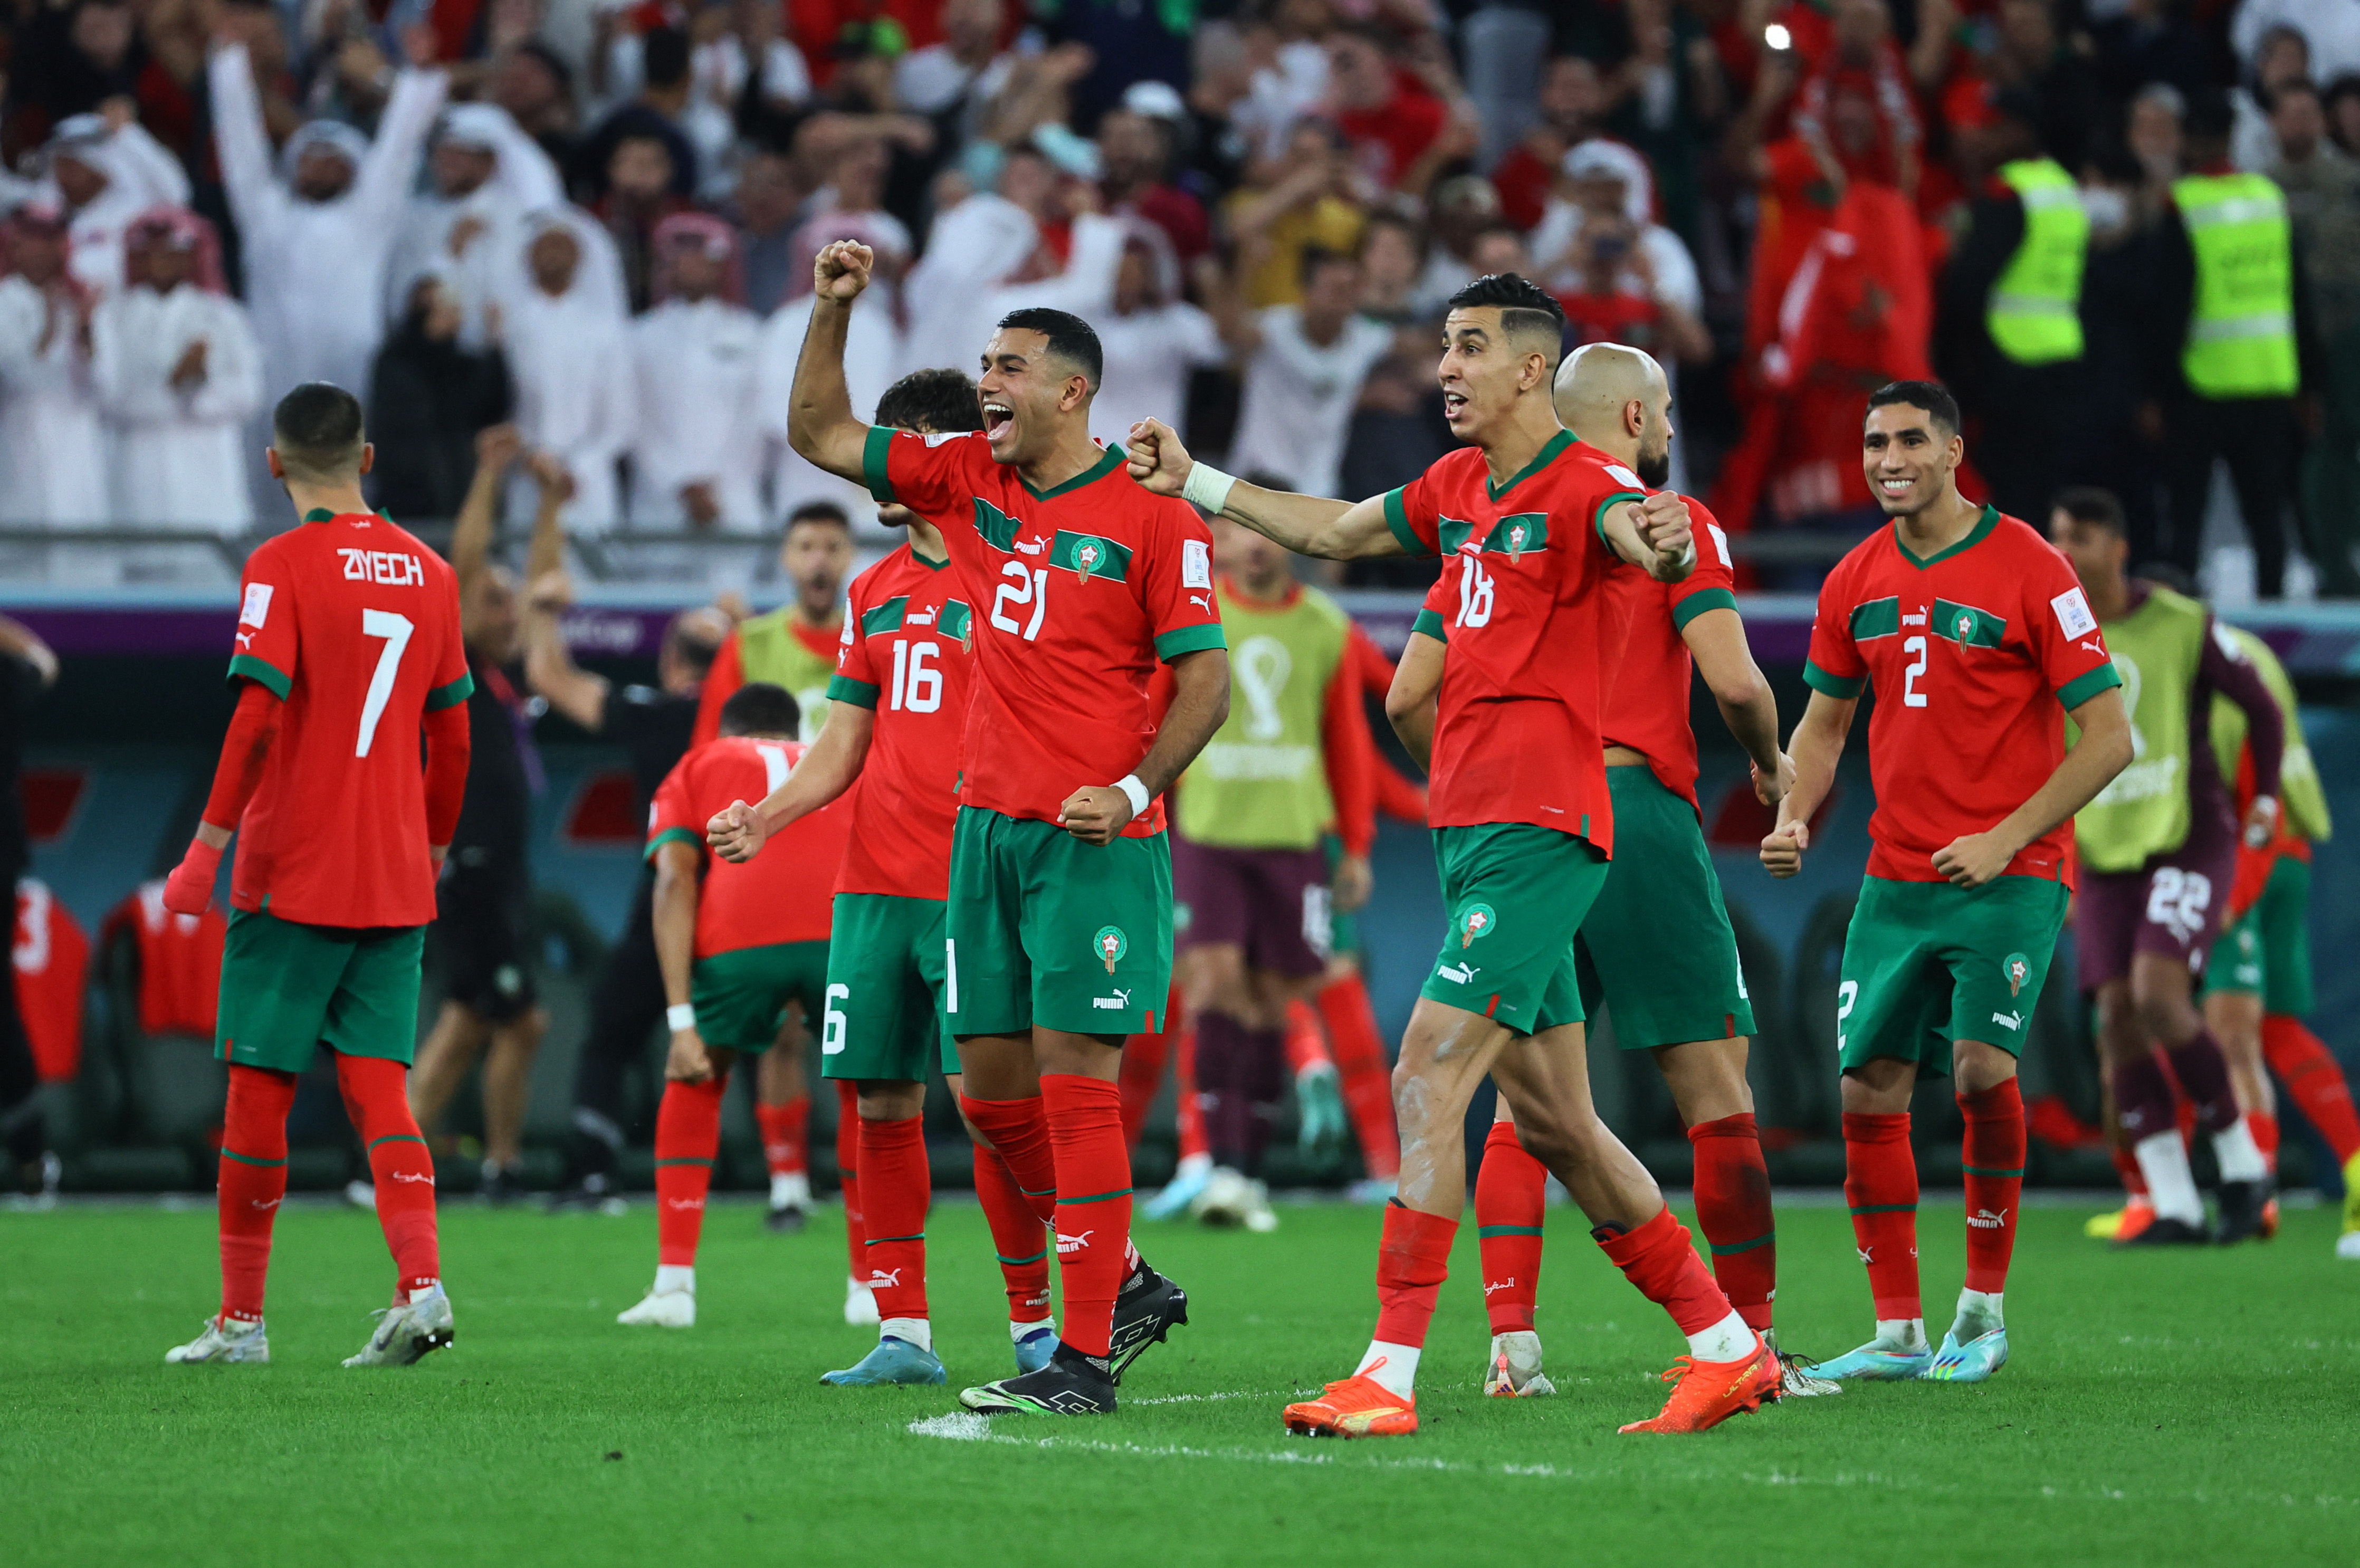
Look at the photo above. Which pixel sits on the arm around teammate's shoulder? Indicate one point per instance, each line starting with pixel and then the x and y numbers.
pixel 821 425
pixel 1307 525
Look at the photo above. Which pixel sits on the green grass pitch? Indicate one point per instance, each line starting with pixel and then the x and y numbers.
pixel 2188 1408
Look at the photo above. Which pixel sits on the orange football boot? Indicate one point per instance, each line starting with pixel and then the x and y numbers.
pixel 1357 1406
pixel 1706 1393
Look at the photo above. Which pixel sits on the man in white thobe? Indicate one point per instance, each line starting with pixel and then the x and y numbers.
pixel 52 452
pixel 489 176
pixel 697 455
pixel 872 360
pixel 178 376
pixel 569 349
pixel 1152 340
pixel 1304 365
pixel 104 175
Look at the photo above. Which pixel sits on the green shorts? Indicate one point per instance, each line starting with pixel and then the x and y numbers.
pixel 884 1014
pixel 288 987
pixel 1046 930
pixel 2268 952
pixel 1515 894
pixel 741 996
pixel 1658 948
pixel 1927 965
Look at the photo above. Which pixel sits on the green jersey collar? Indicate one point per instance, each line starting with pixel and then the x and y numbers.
pixel 1106 464
pixel 1976 536
pixel 1547 455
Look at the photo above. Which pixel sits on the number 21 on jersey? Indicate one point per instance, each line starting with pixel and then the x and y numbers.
pixel 1024 586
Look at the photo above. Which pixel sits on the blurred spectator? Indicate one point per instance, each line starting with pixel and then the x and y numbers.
pixel 316 235
pixel 697 455
pixel 179 375
pixel 469 228
pixel 2034 55
pixel 103 170
pixel 2342 105
pixel 1399 131
pixel 652 113
pixel 2157 141
pixel 873 357
pixel 72 59
pixel 1128 44
pixel 640 197
pixel 1863 60
pixel 852 202
pixel 2114 426
pixel 1569 115
pixel 1397 432
pixel 430 396
pixel 1615 295
pixel 988 255
pixel 2150 41
pixel 2222 352
pixel 535 85
pixel 1153 338
pixel 1464 207
pixel 1509 79
pixel 2281 56
pixel 1605 181
pixel 1301 198
pixel 2331 31
pixel 1393 259
pixel 570 358
pixel 53 455
pixel 1215 138
pixel 2322 191
pixel 950 81
pixel 767 200
pixel 1305 364
pixel 1135 151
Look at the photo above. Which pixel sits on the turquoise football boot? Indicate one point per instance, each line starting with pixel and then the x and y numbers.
pixel 1877 1362
pixel 893 1361
pixel 1972 1362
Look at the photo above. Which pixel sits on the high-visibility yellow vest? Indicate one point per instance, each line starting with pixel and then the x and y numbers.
pixel 2035 311
pixel 2241 334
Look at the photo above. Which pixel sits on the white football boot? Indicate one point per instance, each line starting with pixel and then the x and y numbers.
pixel 1515 1369
pixel 406 1334
pixel 859 1304
pixel 661 1309
pixel 223 1341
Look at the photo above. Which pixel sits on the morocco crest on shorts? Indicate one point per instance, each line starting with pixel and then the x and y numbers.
pixel 1110 944
pixel 2018 969
pixel 1475 920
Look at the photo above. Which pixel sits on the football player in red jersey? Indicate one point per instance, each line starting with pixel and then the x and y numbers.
pixel 348 648
pixel 1980 641
pixel 1531 522
pixel 1656 949
pixel 1058 928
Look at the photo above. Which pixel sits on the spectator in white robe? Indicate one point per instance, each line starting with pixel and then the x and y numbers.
pixel 1304 365
pixel 53 447
pixel 985 258
pixel 873 357
pixel 569 348
pixel 317 234
pixel 696 456
pixel 105 171
pixel 1151 338
pixel 489 176
pixel 179 374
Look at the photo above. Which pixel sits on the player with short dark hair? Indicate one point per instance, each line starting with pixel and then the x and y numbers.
pixel 737 945
pixel 1058 931
pixel 1530 522
pixel 348 652
pixel 1978 642
pixel 2158 851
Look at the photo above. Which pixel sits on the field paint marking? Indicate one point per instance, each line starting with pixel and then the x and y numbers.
pixel 1207 1399
pixel 959 1426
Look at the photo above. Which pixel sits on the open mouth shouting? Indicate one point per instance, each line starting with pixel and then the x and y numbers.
pixel 1454 403
pixel 998 420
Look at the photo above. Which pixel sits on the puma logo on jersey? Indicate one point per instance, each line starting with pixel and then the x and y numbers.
pixel 2093 645
pixel 243 638
pixel 391 569
pixel 1916 620
pixel 917 619
pixel 1034 546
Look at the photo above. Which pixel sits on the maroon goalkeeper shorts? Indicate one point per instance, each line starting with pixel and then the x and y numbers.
pixel 2172 905
pixel 1270 902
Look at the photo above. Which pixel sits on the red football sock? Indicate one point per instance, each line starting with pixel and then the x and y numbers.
pixel 1145 1057
pixel 847 1176
pixel 1367 1083
pixel 1511 1190
pixel 1188 1105
pixel 1093 1217
pixel 253 1182
pixel 1732 1203
pixel 1661 1261
pixel 1019 1131
pixel 2126 1167
pixel 1994 1153
pixel 1305 1043
pixel 2315 1080
pixel 894 1186
pixel 376 1098
pixel 1412 1260
pixel 1016 1235
pixel 688 1135
pixel 1881 1186
pixel 2265 1128
pixel 786 1135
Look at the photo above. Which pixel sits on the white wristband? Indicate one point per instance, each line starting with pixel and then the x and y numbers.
pixel 680 1015
pixel 1208 487
pixel 1135 792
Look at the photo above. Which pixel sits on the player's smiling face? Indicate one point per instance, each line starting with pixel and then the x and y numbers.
pixel 1482 372
pixel 1907 459
pixel 1025 392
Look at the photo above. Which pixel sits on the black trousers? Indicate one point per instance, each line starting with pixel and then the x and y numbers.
pixel 624 1011
pixel 2256 436
pixel 21 1131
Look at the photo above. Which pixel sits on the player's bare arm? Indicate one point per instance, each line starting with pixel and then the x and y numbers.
pixel 676 924
pixel 820 422
pixel 1716 640
pixel 471 532
pixel 548 668
pixel 1655 535
pixel 1814 748
pixel 738 832
pixel 2102 751
pixel 1307 525
pixel 19 641
pixel 1200 701
pixel 1411 701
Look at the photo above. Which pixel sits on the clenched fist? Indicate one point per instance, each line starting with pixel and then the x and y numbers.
pixel 1157 459
pixel 1664 525
pixel 840 271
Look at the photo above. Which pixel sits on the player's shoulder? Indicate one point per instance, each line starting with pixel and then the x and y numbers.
pixel 1862 566
pixel 875 579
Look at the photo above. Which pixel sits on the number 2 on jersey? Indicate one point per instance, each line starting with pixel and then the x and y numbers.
pixel 395 630
pixel 1025 586
pixel 1910 696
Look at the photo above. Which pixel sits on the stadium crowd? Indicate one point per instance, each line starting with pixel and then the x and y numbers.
pixel 598 219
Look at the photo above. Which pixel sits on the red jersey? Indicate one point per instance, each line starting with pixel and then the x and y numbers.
pixel 1533 634
pixel 354 626
pixel 1648 707
pixel 907 654
pixel 1976 653
pixel 1077 593
pixel 782 893
pixel 50 958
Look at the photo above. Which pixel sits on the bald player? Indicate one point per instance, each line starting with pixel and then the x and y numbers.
pixel 1531 524
pixel 1656 948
